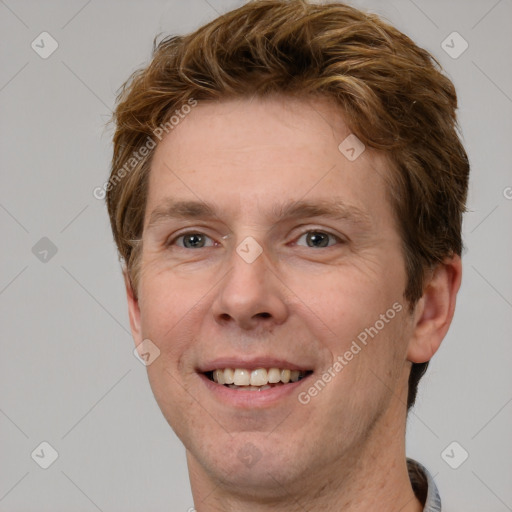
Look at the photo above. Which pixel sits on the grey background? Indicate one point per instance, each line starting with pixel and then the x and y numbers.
pixel 67 372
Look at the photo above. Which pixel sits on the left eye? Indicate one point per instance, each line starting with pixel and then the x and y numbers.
pixel 192 240
pixel 319 239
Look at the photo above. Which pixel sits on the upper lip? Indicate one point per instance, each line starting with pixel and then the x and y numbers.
pixel 250 363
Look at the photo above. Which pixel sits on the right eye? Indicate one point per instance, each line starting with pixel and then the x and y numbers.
pixel 190 240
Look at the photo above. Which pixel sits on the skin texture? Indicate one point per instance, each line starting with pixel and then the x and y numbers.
pixel 345 449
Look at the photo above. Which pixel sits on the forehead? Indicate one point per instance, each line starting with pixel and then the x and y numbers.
pixel 242 152
pixel 215 127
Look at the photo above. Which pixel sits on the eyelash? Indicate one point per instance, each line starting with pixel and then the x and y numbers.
pixel 172 241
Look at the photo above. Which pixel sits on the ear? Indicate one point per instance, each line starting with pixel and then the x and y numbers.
pixel 433 313
pixel 133 309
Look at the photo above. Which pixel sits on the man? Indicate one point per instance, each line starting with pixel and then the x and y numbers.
pixel 286 195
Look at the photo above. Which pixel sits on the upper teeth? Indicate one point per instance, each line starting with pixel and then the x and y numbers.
pixel 258 377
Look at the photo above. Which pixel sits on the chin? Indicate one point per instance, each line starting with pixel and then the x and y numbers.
pixel 253 464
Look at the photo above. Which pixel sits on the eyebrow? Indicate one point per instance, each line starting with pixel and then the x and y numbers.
pixel 334 209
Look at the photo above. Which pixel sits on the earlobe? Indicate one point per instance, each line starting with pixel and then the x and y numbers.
pixel 434 311
pixel 133 308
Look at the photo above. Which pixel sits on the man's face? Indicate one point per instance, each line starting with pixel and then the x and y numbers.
pixel 209 301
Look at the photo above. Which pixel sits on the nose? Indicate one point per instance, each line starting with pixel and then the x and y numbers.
pixel 251 295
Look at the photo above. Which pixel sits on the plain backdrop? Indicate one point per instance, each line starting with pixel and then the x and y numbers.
pixel 68 376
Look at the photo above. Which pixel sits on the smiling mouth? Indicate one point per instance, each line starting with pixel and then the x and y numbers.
pixel 259 379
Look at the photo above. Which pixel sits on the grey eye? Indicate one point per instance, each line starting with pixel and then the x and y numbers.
pixel 317 239
pixel 192 240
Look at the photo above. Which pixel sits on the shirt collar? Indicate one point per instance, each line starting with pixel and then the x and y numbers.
pixel 424 486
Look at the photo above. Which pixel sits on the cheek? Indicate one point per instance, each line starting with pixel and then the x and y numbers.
pixel 168 298
pixel 347 299
pixel 167 320
pixel 360 321
pixel 372 370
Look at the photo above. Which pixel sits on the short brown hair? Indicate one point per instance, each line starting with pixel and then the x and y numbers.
pixel 393 94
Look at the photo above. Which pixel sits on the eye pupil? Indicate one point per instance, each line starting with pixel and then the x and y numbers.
pixel 196 240
pixel 318 239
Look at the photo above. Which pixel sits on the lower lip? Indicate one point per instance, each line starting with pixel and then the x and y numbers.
pixel 251 399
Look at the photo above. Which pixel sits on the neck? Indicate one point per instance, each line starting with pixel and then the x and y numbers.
pixel 371 477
